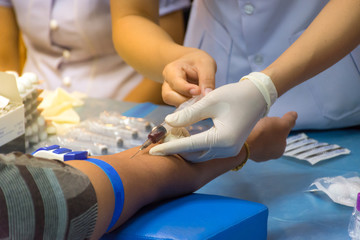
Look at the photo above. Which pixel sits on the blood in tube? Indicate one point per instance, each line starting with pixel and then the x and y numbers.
pixel 157 134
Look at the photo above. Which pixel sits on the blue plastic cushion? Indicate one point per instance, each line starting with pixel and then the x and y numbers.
pixel 197 216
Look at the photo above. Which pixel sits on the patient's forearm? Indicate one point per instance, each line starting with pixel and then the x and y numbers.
pixel 147 179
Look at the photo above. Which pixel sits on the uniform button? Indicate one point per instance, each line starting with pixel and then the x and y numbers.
pixel 66 54
pixel 248 8
pixel 258 59
pixel 67 81
pixel 54 24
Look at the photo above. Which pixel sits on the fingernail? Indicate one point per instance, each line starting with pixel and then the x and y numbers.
pixel 207 90
pixel 193 91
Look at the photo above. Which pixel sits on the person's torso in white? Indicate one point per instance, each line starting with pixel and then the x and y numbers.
pixel 69 45
pixel 246 36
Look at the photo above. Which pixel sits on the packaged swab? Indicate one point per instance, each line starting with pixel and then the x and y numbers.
pixel 305 148
pixel 296 138
pixel 300 143
pixel 327 155
pixel 317 151
pixel 302 147
pixel 340 189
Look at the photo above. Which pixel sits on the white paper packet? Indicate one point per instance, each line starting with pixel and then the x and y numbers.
pixel 302 147
pixel 340 189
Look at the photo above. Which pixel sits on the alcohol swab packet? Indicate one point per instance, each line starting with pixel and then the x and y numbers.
pixel 334 151
pixel 296 138
pixel 298 144
pixel 302 147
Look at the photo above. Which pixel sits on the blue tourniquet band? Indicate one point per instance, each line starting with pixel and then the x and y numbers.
pixel 117 186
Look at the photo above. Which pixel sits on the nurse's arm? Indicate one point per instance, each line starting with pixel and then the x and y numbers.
pixel 9 40
pixel 333 34
pixel 144 45
pixel 173 23
pixel 139 39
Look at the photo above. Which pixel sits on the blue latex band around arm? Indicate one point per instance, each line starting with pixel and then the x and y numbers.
pixel 117 186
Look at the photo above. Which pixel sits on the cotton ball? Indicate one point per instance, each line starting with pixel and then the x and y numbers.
pixel 176 133
pixel 338 189
pixel 341 193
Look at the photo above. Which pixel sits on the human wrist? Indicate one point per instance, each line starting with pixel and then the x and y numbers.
pixel 266 87
pixel 245 152
pixel 276 78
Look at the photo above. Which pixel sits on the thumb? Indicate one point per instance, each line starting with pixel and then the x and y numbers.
pixel 290 118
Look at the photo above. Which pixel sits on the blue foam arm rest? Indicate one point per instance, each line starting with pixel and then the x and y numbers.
pixel 196 216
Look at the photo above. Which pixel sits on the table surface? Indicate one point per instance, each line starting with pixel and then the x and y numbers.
pixel 280 184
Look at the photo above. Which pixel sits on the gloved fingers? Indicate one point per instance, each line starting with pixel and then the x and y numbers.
pixel 200 110
pixel 205 155
pixel 197 142
pixel 196 157
pixel 177 133
pixel 172 147
pixel 197 148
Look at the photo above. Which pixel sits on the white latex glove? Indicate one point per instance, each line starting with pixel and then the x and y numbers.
pixel 234 108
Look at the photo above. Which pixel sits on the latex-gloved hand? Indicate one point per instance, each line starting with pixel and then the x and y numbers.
pixel 266 141
pixel 234 108
pixel 190 75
